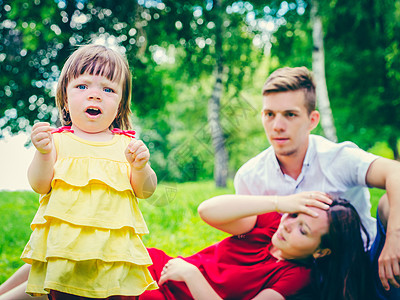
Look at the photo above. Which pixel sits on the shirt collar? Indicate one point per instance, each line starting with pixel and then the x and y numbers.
pixel 310 154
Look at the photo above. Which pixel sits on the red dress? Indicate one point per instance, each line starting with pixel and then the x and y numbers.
pixel 238 267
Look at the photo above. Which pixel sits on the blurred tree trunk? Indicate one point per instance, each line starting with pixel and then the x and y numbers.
pixel 318 65
pixel 214 106
pixel 393 145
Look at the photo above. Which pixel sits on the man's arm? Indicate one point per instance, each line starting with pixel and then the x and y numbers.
pixel 385 174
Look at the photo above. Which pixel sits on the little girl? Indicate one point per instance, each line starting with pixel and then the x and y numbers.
pixel 86 238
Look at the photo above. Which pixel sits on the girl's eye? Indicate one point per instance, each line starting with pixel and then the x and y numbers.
pixel 81 86
pixel 108 90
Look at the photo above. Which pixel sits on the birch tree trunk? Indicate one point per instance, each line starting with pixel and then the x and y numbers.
pixel 392 142
pixel 318 66
pixel 214 107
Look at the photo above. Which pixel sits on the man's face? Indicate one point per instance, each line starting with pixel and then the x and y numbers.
pixel 287 122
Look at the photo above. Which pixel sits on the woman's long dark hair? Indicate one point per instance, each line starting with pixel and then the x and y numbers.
pixel 345 273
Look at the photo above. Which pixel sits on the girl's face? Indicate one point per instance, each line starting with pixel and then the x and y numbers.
pixel 93 102
pixel 299 235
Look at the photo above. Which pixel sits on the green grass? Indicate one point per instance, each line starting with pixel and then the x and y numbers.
pixel 173 222
pixel 171 215
pixel 16 210
pixel 376 194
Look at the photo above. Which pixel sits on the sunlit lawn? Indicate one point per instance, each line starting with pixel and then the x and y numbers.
pixel 171 216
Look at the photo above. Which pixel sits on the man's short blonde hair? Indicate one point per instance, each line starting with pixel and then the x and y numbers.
pixel 292 79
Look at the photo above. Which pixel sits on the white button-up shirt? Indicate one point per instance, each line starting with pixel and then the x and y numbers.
pixel 336 169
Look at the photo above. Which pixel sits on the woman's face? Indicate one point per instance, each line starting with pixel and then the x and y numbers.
pixel 299 235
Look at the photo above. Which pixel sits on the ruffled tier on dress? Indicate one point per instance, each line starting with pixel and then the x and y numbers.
pixel 87 232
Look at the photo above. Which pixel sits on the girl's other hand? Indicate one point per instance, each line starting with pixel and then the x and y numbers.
pixel 301 203
pixel 41 137
pixel 137 154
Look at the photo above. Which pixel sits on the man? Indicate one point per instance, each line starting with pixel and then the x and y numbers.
pixel 298 161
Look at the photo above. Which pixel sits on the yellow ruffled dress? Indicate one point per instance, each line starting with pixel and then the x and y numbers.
pixel 86 237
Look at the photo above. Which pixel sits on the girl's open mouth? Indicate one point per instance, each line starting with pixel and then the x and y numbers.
pixel 93 111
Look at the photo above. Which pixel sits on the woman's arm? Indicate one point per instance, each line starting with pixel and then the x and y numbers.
pixel 15 286
pixel 20 276
pixel 180 270
pixel 19 293
pixel 143 178
pixel 237 214
pixel 41 170
pixel 269 294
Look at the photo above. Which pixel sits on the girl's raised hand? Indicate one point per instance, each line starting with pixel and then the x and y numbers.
pixel 301 202
pixel 137 154
pixel 41 137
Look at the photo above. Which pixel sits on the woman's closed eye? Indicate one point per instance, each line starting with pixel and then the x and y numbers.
pixel 301 226
pixel 302 230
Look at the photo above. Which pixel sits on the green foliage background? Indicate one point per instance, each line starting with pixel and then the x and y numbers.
pixel 171 90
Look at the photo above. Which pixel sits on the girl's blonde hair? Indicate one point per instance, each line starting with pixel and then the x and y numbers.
pixel 97 60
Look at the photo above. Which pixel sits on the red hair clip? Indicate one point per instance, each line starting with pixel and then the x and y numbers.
pixel 130 133
pixel 61 129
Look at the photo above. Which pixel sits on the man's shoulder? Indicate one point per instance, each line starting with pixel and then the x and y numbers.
pixel 323 145
pixel 338 155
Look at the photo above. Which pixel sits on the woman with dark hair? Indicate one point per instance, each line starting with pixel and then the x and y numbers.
pixel 240 267
pixel 345 273
pixel 269 255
